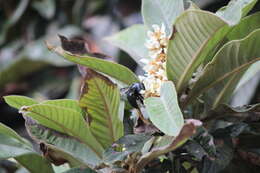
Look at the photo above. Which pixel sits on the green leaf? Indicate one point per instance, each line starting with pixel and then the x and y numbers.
pixel 132 41
pixel 19 101
pixel 12 145
pixel 65 121
pixel 66 103
pixel 222 92
pixel 11 133
pixel 161 12
pixel 75 152
pixel 197 33
pixel 125 146
pixel 245 27
pixel 35 163
pixel 164 111
pixel 251 72
pixel 235 9
pixel 233 57
pixel 112 69
pixel 100 99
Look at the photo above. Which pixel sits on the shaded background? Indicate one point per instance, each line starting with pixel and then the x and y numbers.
pixel 28 68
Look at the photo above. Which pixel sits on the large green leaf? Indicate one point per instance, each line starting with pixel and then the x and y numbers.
pixel 246 26
pixel 65 146
pixel 235 56
pixel 132 41
pixel 100 99
pixel 161 12
pixel 12 145
pixel 112 69
pixel 164 111
pixel 64 120
pixel 198 32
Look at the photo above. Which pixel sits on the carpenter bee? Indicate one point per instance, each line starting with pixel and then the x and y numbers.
pixel 135 98
pixel 133 94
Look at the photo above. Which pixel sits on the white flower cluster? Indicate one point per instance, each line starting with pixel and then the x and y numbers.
pixel 155 68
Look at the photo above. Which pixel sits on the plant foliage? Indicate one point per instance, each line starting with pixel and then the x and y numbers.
pixel 190 128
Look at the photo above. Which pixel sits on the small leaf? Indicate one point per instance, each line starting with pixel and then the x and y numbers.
pixel 161 12
pixel 19 101
pixel 65 121
pixel 231 58
pixel 112 69
pixel 164 111
pixel 132 41
pixel 100 99
pixel 125 146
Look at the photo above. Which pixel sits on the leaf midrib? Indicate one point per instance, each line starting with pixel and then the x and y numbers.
pixel 193 59
pixel 106 107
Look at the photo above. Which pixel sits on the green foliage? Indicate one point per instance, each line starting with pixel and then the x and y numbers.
pixel 170 120
pixel 161 12
pixel 14 146
pixel 220 49
pixel 133 45
pixel 100 98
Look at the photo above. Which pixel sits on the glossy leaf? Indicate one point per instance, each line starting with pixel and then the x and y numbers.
pixel 132 41
pixel 161 12
pixel 237 55
pixel 100 99
pixel 65 121
pixel 164 111
pixel 112 69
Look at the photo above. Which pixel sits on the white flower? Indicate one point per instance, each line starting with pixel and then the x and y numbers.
pixel 155 68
